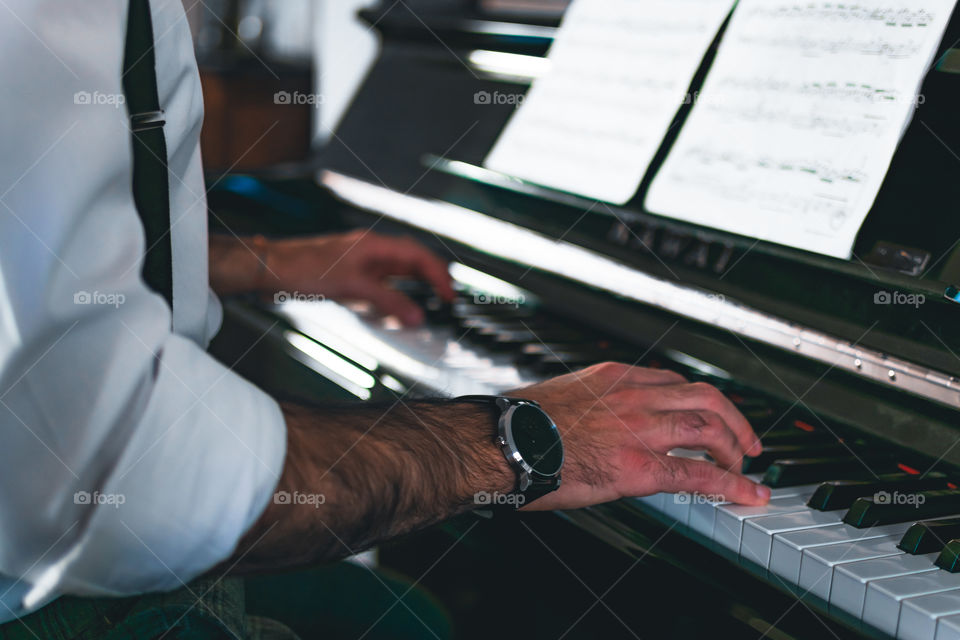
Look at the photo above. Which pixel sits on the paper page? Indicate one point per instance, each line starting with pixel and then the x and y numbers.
pixel 799 118
pixel 620 70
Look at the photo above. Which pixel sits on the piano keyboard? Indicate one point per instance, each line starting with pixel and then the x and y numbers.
pixel 848 527
pixel 876 558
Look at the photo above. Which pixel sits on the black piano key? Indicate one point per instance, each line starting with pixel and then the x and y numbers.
pixel 903 507
pixel 778 429
pixel 757 413
pixel 831 496
pixel 414 289
pixel 511 339
pixel 746 401
pixel 438 311
pixel 780 452
pixel 500 324
pixel 561 363
pixel 469 309
pixel 792 473
pixel 949 558
pixel 532 352
pixel 928 537
pixel 792 436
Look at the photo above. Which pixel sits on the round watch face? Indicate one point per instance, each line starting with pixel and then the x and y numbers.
pixel 537 439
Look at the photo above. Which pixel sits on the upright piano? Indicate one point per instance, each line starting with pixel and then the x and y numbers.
pixel 847 368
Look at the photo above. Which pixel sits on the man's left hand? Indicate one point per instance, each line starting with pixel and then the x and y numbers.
pixel 356 266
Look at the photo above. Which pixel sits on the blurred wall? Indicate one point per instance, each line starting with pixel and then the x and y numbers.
pixel 344 50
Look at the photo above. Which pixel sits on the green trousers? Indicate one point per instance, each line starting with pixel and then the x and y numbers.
pixel 341 601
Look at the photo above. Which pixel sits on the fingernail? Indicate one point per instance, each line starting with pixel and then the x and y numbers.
pixel 763 492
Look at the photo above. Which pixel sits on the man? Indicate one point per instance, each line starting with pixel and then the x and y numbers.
pixel 133 462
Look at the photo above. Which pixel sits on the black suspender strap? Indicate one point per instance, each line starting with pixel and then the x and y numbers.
pixel 150 179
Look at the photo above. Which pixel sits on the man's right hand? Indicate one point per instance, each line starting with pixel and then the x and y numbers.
pixel 619 422
pixel 384 470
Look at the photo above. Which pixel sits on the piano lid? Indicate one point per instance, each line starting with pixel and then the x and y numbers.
pixel 417 127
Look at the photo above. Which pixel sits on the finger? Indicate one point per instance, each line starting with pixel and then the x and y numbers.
pixel 702 396
pixel 698 430
pixel 390 302
pixel 696 476
pixel 408 257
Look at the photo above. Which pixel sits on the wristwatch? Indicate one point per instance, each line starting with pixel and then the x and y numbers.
pixel 531 444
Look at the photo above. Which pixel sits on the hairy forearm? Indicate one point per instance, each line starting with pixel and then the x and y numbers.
pixel 361 474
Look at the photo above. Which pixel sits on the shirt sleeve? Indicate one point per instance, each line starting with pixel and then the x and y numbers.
pixel 131 460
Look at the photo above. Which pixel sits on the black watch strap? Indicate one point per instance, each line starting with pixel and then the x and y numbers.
pixel 538 488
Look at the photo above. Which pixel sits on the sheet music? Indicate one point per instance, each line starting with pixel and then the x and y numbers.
pixel 620 72
pixel 799 118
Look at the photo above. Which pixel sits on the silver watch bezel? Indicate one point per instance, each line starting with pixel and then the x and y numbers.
pixel 509 445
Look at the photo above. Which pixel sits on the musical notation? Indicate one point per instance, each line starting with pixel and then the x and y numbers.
pixel 811 167
pixel 620 70
pixel 844 91
pixel 840 126
pixel 820 215
pixel 823 46
pixel 799 118
pixel 907 17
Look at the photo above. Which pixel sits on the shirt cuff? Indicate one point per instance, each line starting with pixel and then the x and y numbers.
pixel 196 474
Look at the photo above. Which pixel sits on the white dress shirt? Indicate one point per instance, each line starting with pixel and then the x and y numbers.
pixel 130 460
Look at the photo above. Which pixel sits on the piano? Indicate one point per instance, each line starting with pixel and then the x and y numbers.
pixel 848 369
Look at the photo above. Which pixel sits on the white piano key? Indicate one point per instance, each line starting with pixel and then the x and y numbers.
pixel 787 548
pixel 817 564
pixel 881 606
pixel 919 616
pixel 805 490
pixel 850 581
pixel 728 527
pixel 703 516
pixel 654 502
pixel 948 628
pixel 681 507
pixel 758 533
pixel 703 513
pixel 677 506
